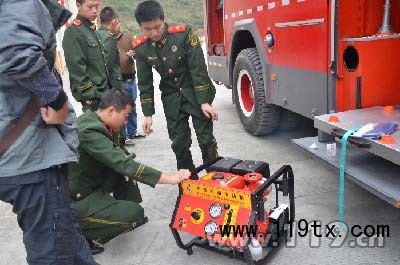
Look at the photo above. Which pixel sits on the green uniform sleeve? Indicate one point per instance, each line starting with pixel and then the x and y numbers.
pixel 197 66
pixel 116 78
pixel 112 59
pixel 100 147
pixel 146 88
pixel 82 87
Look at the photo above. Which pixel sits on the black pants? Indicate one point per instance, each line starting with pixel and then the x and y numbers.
pixel 51 233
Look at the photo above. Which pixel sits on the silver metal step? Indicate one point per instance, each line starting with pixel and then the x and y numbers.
pixel 377 175
pixel 357 118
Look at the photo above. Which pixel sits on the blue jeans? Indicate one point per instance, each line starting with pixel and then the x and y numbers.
pixel 44 212
pixel 131 127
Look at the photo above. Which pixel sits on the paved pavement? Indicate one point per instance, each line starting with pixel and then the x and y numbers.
pixel 316 192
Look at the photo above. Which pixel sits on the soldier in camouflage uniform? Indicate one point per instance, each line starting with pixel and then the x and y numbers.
pixel 84 56
pixel 106 168
pixel 186 89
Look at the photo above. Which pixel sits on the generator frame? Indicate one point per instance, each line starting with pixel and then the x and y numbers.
pixel 284 185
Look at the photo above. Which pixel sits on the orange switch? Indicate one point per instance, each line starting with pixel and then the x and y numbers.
pixel 333 118
pixel 387 139
pixel 388 109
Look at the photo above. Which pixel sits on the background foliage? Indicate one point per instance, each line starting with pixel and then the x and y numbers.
pixel 176 12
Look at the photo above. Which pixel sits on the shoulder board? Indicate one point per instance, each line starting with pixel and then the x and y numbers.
pixel 176 29
pixel 77 22
pixel 139 41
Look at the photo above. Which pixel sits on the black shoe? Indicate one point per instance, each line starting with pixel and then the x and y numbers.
pixel 95 247
pixel 142 222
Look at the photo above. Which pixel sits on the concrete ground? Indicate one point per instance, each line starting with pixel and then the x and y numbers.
pixel 316 193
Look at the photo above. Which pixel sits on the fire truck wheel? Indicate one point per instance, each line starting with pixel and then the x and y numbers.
pixel 289 120
pixel 257 116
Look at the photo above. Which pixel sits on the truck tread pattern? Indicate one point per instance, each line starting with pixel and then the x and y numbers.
pixel 265 118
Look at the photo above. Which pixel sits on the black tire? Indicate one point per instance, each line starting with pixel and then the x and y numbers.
pixel 289 120
pixel 257 116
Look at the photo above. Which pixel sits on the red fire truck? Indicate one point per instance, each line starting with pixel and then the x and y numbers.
pixel 284 59
pixel 308 56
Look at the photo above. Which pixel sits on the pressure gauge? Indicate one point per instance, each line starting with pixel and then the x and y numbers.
pixel 210 228
pixel 215 210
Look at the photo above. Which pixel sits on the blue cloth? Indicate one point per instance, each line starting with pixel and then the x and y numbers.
pixel 131 127
pixel 381 129
pixel 44 211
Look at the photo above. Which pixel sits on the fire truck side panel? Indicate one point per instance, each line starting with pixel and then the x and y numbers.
pixel 374 82
pixel 358 18
pixel 301 91
pixel 301 31
pixel 291 19
pixel 315 41
pixel 215 39
pixel 367 63
pixel 299 59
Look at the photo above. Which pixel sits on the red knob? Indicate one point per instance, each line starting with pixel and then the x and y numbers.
pixel 252 177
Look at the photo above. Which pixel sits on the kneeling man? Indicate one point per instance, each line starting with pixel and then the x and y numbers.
pixel 104 168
